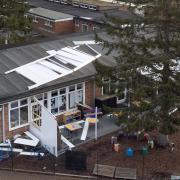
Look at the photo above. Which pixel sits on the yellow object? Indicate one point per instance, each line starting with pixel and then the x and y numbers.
pixel 92 120
pixel 73 126
pixel 71 115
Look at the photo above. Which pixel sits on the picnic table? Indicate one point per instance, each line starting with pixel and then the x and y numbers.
pixel 73 126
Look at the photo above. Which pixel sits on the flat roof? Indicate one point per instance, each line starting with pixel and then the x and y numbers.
pixel 97 2
pixel 97 16
pixel 50 14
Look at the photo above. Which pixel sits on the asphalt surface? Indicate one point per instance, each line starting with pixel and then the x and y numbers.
pixel 8 175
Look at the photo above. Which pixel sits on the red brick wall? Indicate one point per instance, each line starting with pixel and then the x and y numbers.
pixel 64 27
pixel 91 24
pixel 56 28
pixel 89 86
pixel 98 91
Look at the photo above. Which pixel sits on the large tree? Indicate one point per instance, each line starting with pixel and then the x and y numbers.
pixel 148 60
pixel 14 25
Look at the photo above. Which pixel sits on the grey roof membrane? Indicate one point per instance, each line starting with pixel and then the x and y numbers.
pixel 13 85
pixel 97 16
pixel 50 14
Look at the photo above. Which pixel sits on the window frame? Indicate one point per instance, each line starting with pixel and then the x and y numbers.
pixel 35 19
pixel 19 106
pixel 48 23
pixel 86 26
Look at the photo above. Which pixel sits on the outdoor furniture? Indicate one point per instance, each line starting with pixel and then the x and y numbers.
pixel 114 172
pixel 92 121
pixel 125 173
pixel 104 170
pixel 73 126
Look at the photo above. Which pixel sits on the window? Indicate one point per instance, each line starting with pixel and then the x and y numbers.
pixel 58 101
pixel 35 19
pixel 36 114
pixel 42 98
pixel 92 7
pixel 95 28
pixel 36 109
pixel 72 97
pixel 18 114
pixel 75 95
pixel 66 98
pixel 76 22
pixel 84 6
pixel 48 23
pixel 84 27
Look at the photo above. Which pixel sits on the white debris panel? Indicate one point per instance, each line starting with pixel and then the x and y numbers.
pixel 58 64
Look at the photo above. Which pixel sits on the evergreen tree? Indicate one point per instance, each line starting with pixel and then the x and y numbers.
pixel 149 61
pixel 14 25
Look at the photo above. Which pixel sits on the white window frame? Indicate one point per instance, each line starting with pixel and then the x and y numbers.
pixel 67 97
pixel 86 26
pixel 58 96
pixel 18 107
pixel 47 23
pixel 35 19
pixel 48 98
pixel 76 22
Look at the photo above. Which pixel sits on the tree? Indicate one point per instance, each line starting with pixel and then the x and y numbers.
pixel 14 25
pixel 148 60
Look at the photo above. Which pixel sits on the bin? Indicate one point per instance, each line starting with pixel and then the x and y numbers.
pixel 144 151
pixel 129 152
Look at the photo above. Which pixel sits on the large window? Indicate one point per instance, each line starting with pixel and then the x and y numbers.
pixel 75 95
pixel 18 115
pixel 66 98
pixel 58 101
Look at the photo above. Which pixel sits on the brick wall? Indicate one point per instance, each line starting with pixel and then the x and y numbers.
pixel 89 90
pixel 64 27
pixel 56 28
pixel 91 24
pixel 98 91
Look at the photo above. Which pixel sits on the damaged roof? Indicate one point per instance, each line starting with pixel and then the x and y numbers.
pixel 14 85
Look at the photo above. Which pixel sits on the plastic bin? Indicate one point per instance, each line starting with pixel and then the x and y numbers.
pixel 129 152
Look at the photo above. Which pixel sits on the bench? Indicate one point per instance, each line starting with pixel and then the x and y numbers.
pixel 114 172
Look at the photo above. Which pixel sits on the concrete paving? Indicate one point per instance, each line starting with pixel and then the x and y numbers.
pixel 9 175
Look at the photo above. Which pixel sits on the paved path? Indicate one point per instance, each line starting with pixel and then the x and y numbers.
pixel 8 175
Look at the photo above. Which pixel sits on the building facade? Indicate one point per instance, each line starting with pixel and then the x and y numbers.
pixel 50 23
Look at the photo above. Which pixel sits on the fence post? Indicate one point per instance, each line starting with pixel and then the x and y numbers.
pixel 12 158
pixel 54 161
